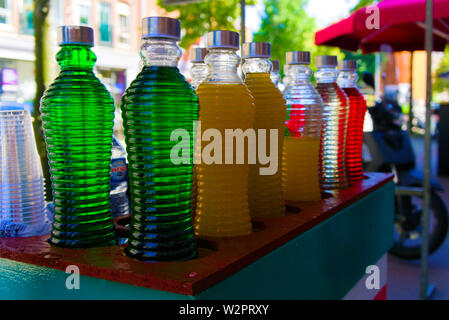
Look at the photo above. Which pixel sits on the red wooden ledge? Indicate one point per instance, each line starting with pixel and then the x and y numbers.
pixel 218 258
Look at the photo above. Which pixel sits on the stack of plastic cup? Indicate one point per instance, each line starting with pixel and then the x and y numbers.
pixel 22 205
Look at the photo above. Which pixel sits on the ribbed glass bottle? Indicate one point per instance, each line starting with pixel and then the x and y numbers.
pixel 158 102
pixel 347 80
pixel 77 117
pixel 265 193
pixel 335 118
pixel 198 71
pixel 225 103
pixel 303 130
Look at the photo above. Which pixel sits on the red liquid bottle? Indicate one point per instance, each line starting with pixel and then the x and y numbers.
pixel 347 80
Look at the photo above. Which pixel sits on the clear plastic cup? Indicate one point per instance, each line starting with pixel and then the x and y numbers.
pixel 22 206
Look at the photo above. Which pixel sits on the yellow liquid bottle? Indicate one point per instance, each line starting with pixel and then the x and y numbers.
pixel 301 169
pixel 302 131
pixel 265 190
pixel 225 103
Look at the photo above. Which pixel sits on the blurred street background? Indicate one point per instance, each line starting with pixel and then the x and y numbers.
pixel 403 275
pixel 288 25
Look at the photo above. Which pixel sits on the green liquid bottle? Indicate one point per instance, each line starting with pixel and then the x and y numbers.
pixel 77 116
pixel 158 102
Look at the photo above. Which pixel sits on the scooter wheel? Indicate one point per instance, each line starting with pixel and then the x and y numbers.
pixel 436 236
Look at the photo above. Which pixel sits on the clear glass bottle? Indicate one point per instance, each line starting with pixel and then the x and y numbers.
pixel 225 103
pixel 198 72
pixel 199 69
pixel 275 75
pixel 303 131
pixel 286 79
pixel 335 119
pixel 158 102
pixel 77 117
pixel 265 190
pixel 347 80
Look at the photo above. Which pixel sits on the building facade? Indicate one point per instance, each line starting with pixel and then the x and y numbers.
pixel 117 26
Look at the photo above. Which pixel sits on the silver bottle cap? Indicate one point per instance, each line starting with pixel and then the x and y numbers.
pixel 256 50
pixel 75 35
pixel 223 39
pixel 197 54
pixel 297 57
pixel 161 27
pixel 347 65
pixel 275 64
pixel 330 61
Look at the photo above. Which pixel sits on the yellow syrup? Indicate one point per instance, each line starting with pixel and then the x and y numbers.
pixel 301 168
pixel 222 189
pixel 265 191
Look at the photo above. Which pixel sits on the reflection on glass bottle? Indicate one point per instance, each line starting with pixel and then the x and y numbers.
pixel 158 102
pixel 335 118
pixel 199 69
pixel 286 79
pixel 275 75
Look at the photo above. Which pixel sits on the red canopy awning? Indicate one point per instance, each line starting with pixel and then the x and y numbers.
pixel 401 25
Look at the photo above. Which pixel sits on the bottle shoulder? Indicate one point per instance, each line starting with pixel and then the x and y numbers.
pixel 225 95
pixel 264 90
pixel 160 80
pixel 353 93
pixel 77 84
pixel 304 93
pixel 223 89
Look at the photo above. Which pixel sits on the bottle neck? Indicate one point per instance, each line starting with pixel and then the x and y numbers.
pixel 256 65
pixel 298 74
pixel 76 56
pixel 160 52
pixel 198 72
pixel 347 79
pixel 223 64
pixel 326 74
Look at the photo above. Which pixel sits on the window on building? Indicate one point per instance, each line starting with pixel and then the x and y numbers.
pixel 124 20
pixel 105 24
pixel 5 11
pixel 57 12
pixel 85 9
pixel 26 17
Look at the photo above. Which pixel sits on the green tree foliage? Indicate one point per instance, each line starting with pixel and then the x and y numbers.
pixel 441 85
pixel 287 27
pixel 366 62
pixel 198 18
pixel 363 3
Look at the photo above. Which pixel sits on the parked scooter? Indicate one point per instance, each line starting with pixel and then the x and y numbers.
pixel 388 149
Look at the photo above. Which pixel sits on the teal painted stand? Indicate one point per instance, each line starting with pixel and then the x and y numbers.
pixel 323 262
